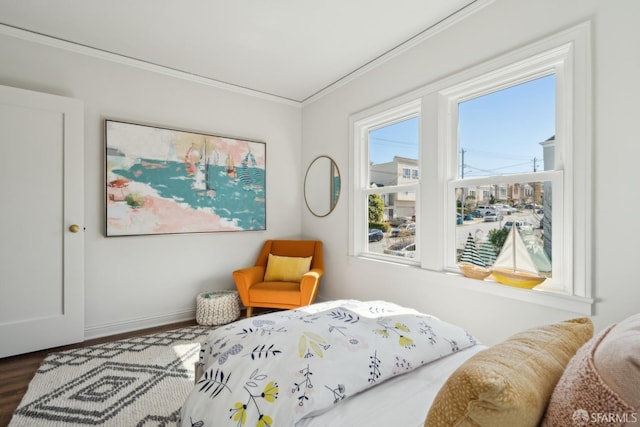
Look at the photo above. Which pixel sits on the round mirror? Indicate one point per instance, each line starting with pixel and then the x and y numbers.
pixel 322 186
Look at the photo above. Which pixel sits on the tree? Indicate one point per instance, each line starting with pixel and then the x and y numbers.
pixel 497 237
pixel 376 212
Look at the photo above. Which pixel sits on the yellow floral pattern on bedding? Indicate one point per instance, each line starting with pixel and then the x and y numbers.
pixel 276 369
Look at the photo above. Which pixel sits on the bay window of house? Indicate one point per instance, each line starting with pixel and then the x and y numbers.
pixel 502 145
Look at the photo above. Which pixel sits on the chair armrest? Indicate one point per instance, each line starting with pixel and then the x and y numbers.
pixel 245 278
pixel 309 285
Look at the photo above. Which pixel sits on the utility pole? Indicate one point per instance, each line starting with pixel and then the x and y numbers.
pixel 462 151
pixel 535 164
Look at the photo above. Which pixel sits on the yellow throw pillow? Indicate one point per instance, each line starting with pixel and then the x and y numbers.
pixel 286 269
pixel 509 384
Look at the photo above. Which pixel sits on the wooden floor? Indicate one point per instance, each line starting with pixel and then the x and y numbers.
pixel 17 371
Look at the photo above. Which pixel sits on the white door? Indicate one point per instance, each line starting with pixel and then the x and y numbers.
pixel 41 198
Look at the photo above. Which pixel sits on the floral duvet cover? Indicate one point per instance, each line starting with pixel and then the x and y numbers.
pixel 278 368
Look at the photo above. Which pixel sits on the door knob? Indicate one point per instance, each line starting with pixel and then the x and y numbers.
pixel 74 228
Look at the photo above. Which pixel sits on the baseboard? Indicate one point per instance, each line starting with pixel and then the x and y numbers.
pixel 113 328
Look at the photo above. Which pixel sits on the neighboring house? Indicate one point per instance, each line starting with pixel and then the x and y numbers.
pixel 549 158
pixel 398 171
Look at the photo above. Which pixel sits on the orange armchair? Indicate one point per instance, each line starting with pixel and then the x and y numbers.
pixel 255 292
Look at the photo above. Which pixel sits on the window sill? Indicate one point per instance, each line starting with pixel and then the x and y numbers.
pixel 387 259
pixel 540 296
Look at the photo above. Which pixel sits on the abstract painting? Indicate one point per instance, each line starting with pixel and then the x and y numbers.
pixel 165 181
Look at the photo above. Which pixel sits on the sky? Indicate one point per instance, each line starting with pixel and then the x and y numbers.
pixel 500 133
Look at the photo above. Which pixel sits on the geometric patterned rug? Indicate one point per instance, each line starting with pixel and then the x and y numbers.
pixel 139 381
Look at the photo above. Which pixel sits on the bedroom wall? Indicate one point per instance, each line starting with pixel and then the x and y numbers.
pixel 135 282
pixel 500 27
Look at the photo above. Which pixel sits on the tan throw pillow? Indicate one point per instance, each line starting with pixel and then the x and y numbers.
pixel 510 383
pixel 286 269
pixel 601 384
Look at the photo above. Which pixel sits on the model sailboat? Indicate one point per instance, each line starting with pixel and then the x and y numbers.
pixel 514 266
pixel 471 263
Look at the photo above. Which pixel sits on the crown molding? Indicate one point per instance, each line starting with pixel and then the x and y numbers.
pixel 436 28
pixel 43 39
pixel 138 63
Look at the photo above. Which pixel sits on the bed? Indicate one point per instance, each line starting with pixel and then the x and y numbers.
pixel 337 363
pixel 374 363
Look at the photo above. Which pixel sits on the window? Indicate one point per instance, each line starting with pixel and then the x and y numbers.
pixel 503 145
pixel 506 145
pixel 507 135
pixel 387 193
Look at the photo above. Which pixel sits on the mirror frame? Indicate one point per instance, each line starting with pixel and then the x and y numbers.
pixel 334 193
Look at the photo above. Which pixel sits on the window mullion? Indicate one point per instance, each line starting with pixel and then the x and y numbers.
pixel 392 189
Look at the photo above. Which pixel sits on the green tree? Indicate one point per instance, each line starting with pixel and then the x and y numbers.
pixel 497 237
pixel 376 212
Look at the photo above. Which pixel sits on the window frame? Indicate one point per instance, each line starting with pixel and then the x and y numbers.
pixel 544 64
pixel 567 55
pixel 359 193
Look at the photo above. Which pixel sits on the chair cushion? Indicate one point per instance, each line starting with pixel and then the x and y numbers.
pixel 510 383
pixel 283 293
pixel 286 269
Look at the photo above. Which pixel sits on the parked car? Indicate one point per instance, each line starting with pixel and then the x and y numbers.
pixel 411 228
pixel 486 210
pixel 458 219
pixel 403 229
pixel 520 225
pixel 505 210
pixel 375 235
pixel 507 225
pixel 526 226
pixel 397 221
pixel 493 217
pixel 402 249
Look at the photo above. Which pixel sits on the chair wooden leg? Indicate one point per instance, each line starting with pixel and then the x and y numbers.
pixel 249 311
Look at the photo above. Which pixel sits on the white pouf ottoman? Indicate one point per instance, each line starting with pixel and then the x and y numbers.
pixel 217 307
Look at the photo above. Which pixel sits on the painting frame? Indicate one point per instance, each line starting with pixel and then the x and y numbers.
pixel 160 180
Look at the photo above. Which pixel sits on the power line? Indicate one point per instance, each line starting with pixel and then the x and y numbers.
pixel 395 141
pixel 500 155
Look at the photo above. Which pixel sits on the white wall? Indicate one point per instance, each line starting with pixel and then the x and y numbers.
pixel 502 26
pixel 133 282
